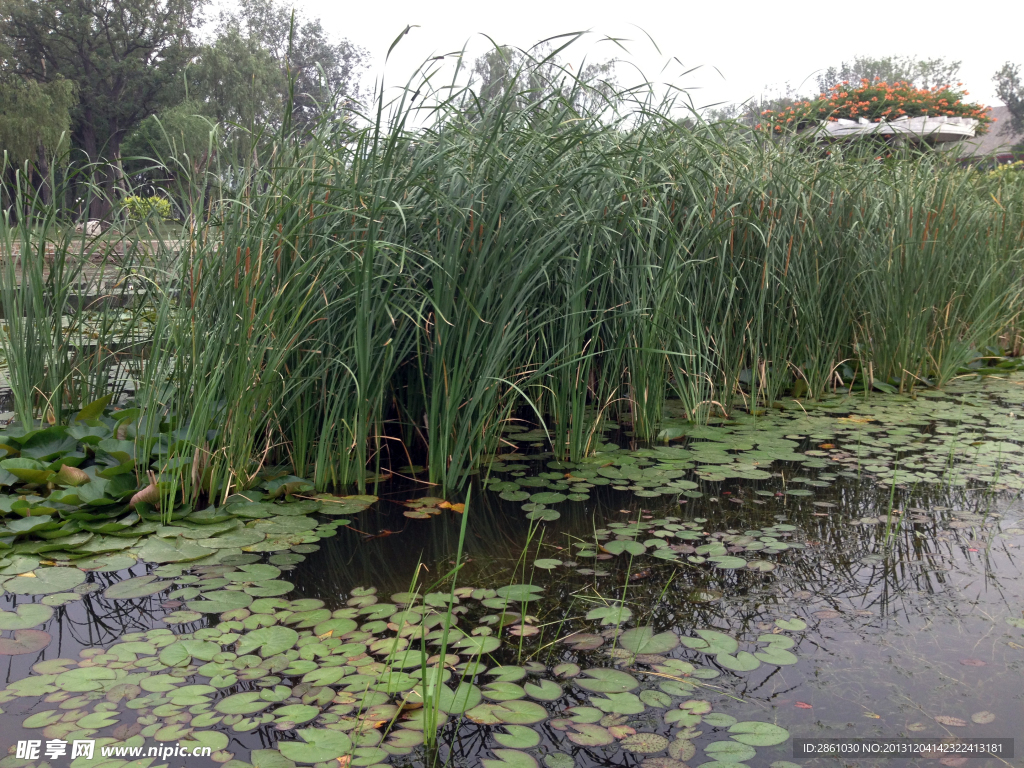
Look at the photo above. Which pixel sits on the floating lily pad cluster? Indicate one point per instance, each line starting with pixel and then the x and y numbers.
pixel 968 433
pixel 361 682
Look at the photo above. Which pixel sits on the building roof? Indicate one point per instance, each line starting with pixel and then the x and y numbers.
pixel 996 141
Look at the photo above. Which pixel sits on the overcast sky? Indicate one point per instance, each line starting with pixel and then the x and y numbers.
pixel 741 48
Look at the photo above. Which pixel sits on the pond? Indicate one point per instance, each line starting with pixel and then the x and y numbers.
pixel 842 569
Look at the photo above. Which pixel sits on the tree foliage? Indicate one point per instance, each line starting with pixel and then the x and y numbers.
pixel 124 57
pixel 530 78
pixel 922 73
pixel 34 118
pixel 1010 91
pixel 265 56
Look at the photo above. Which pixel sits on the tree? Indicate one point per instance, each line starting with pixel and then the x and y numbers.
pixel 923 73
pixel 1010 91
pixel 123 56
pixel 264 56
pixel 531 77
pixel 34 120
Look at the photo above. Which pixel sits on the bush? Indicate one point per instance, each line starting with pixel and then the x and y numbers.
pixel 142 208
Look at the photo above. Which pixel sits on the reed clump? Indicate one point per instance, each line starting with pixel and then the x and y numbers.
pixel 401 283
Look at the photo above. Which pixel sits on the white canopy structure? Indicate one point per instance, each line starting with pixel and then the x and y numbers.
pixel 936 129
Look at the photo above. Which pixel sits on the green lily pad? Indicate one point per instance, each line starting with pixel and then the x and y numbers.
pixel 590 735
pixel 297 713
pixel 46 581
pixel 520 593
pixel 711 642
pixel 547 563
pixel 521 712
pixel 476 645
pixel 25 616
pixel 543 690
pixel 603 680
pixel 618 703
pixel 657 699
pixel 741 662
pixel 758 734
pixel 245 703
pixel 559 760
pixel 644 640
pixel 619 546
pixel 465 696
pixel 793 625
pixel 518 737
pixel 141 586
pixel 546 497
pixel 510 758
pixel 610 614
pixel 318 745
pixel 776 655
pixel 729 751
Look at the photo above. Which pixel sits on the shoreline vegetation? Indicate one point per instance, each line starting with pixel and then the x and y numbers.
pixel 394 287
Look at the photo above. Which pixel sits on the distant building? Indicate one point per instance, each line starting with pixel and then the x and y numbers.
pixel 997 144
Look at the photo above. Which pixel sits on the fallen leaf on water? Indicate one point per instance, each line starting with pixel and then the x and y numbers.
pixel 872 715
pixel 983 717
pixel 803 705
pixel 344 761
pixel 916 726
pixel 949 720
pixel 972 662
pixel 953 761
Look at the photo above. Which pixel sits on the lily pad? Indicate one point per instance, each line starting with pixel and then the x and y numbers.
pixel 644 640
pixel 45 581
pixel 510 758
pixel 793 625
pixel 25 616
pixel 603 680
pixel 729 751
pixel 518 737
pixel 24 641
pixel 645 743
pixel 318 745
pixel 758 734
pixel 141 586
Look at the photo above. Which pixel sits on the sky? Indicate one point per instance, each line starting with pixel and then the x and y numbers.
pixel 739 48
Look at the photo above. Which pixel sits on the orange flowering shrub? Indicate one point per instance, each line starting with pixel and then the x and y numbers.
pixel 876 101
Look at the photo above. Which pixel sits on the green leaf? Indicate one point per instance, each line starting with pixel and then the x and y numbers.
pixel 520 593
pixel 711 642
pixel 46 581
pixel 643 640
pixel 246 704
pixel 547 563
pixel 510 758
pixel 318 745
pixel 477 645
pixel 604 680
pixel 619 546
pixel 758 734
pixel 548 497
pixel 270 641
pixel 729 751
pixel 793 625
pixel 776 655
pixel 141 586
pixel 465 696
pixel 521 712
pixel 657 699
pixel 619 703
pixel 25 616
pixel 94 409
pixel 297 713
pixel 518 737
pixel 27 470
pixel 741 662
pixel 543 690
pixel 610 614
pixel 590 735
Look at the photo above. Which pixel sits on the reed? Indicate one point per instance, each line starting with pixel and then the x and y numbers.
pixel 403 283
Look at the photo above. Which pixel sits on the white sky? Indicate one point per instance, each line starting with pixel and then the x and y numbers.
pixel 743 48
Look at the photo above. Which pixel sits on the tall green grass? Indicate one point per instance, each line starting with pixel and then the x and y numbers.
pixel 402 284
